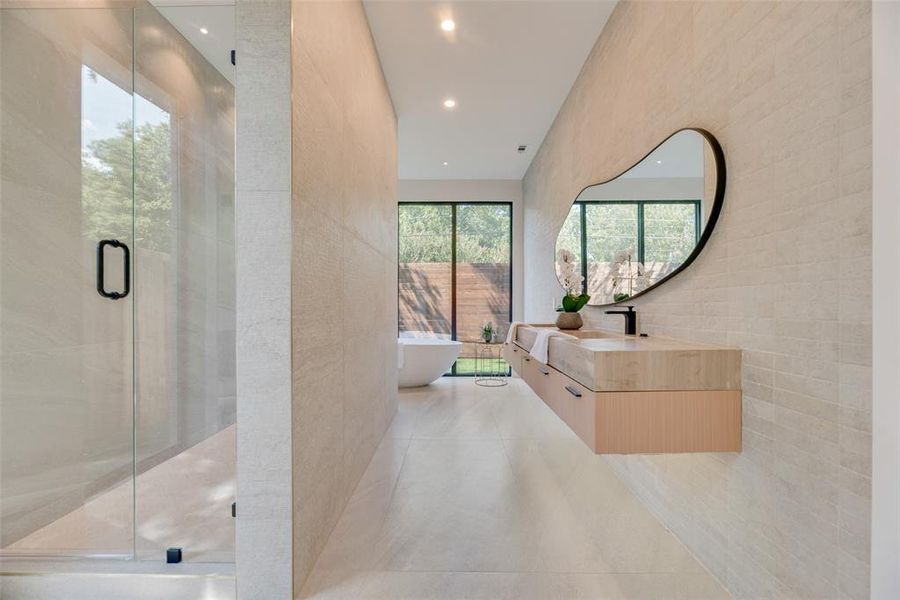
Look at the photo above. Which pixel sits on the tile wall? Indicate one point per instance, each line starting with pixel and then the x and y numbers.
pixel 344 269
pixel 786 276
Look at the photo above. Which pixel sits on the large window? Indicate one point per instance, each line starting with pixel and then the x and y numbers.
pixel 658 235
pixel 455 272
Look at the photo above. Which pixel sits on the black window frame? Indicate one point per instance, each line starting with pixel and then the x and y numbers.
pixel 583 204
pixel 454 206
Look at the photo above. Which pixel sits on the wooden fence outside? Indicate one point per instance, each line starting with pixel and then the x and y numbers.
pixel 483 293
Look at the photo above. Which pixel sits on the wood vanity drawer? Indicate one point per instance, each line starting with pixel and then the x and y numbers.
pixel 549 382
pixel 532 376
pixel 569 400
pixel 670 421
pixel 513 355
pixel 640 422
pixel 581 409
pixel 640 395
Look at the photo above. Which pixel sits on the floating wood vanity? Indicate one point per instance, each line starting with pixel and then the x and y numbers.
pixel 627 395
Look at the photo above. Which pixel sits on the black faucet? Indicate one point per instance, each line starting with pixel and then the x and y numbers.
pixel 630 319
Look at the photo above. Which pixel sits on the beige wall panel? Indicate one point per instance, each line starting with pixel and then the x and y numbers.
pixel 344 290
pixel 786 276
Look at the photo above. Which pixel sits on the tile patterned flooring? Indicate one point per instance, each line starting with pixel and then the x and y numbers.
pixel 484 493
pixel 474 494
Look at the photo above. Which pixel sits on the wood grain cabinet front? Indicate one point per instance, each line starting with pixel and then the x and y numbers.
pixel 582 411
pixel 533 376
pixel 513 355
pixel 638 422
pixel 550 386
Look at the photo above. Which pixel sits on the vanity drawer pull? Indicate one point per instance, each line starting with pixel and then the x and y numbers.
pixel 527 359
pixel 573 391
pixel 544 371
pixel 515 349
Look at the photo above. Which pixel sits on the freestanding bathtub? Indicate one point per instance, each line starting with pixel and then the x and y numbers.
pixel 423 360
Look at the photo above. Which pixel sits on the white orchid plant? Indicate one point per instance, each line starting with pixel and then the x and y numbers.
pixel 574 299
pixel 625 272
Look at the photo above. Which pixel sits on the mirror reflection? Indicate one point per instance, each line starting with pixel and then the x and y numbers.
pixel 633 232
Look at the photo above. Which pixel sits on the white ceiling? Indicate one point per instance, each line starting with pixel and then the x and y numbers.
pixel 217 16
pixel 509 65
pixel 679 156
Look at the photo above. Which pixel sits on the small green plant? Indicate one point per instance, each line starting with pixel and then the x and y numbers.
pixel 487 331
pixel 573 303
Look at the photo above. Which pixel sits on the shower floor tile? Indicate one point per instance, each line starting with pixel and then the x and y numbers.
pixel 183 502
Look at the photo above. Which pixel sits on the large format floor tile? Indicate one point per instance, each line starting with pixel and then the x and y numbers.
pixel 484 493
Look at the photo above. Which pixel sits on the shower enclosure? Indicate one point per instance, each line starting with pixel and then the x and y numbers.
pixel 117 374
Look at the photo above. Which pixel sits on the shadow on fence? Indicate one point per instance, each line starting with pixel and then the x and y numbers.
pixel 483 294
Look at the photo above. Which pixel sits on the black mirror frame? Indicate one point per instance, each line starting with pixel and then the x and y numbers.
pixel 718 199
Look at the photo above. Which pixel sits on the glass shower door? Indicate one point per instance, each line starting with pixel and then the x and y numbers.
pixel 184 283
pixel 66 304
pixel 117 312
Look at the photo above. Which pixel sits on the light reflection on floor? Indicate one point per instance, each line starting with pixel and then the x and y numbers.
pixel 183 502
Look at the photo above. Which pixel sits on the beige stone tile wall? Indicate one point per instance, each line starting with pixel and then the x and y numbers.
pixel 263 540
pixel 344 296
pixel 786 88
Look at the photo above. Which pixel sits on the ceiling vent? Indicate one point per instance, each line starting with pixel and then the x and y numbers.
pixel 522 148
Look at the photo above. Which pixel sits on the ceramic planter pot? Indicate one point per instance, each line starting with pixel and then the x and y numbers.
pixel 569 320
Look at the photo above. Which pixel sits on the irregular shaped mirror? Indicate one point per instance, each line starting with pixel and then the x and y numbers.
pixel 640 229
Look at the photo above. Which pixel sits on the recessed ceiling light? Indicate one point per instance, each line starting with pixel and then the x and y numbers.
pixel 659 162
pixel 445 163
pixel 449 103
pixel 204 30
pixel 448 25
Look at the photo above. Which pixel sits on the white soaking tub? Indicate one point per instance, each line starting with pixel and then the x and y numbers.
pixel 424 359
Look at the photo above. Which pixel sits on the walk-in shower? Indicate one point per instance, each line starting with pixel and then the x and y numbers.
pixel 117 322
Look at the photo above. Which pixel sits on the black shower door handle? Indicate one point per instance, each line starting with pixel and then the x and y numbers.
pixel 126 255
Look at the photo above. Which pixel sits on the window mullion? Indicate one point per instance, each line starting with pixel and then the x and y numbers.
pixel 584 265
pixel 640 232
pixel 453 297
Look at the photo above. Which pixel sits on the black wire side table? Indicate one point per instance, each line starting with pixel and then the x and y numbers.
pixel 490 368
